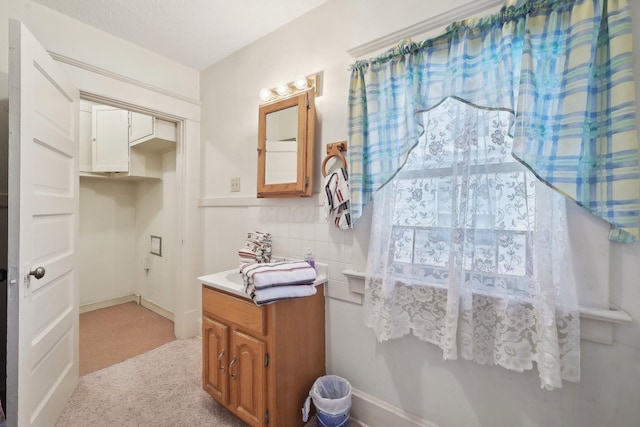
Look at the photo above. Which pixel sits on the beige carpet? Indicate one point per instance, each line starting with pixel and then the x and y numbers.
pixel 115 334
pixel 159 388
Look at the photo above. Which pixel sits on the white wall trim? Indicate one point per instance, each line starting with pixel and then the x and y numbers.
pixel 468 10
pixel 369 410
pixel 125 299
pixel 612 315
pixel 108 303
pixel 246 201
pixel 157 309
pixel 186 113
pixel 98 70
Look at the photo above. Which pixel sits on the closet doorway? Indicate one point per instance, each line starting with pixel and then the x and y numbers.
pixel 128 212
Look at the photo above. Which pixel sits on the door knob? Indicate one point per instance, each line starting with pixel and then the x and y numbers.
pixel 38 273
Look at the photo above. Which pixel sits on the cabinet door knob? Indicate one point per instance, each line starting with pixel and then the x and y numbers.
pixel 234 376
pixel 220 366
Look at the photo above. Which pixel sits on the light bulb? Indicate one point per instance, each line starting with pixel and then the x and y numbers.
pixel 266 94
pixel 300 82
pixel 283 89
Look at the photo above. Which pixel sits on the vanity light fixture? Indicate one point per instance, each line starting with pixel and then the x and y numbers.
pixel 283 89
pixel 266 94
pixel 299 84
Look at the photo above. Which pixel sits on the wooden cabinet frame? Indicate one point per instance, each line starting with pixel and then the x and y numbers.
pixel 306 113
pixel 260 362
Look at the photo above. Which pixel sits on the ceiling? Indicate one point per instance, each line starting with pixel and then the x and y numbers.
pixel 195 33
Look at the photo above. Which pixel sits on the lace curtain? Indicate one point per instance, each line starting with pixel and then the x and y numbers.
pixel 468 251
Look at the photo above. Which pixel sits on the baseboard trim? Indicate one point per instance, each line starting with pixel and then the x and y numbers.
pixel 108 303
pixel 157 309
pixel 371 411
pixel 125 299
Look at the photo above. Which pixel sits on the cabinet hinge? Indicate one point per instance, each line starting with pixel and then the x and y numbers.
pixel 266 417
pixel 266 359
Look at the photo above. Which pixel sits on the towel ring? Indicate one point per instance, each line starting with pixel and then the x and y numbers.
pixel 335 150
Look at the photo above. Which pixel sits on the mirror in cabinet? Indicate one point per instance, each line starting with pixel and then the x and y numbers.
pixel 285 147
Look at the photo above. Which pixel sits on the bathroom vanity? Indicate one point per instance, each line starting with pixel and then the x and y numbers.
pixel 260 361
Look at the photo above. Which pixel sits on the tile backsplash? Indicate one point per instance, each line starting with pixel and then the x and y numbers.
pixel 295 228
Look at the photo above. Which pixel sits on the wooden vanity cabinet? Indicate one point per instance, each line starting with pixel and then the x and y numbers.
pixel 260 362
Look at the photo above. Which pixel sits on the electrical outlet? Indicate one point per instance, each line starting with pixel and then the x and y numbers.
pixel 235 184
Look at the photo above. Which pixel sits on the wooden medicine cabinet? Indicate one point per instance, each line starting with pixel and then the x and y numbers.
pixel 285 147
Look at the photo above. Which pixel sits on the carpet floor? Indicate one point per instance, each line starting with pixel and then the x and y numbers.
pixel 160 388
pixel 134 373
pixel 115 334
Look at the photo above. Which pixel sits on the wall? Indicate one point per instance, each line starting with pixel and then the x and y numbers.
pixel 107 240
pixel 156 215
pixel 405 375
pixel 71 38
pixel 117 219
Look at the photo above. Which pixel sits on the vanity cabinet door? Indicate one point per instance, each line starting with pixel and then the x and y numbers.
pixel 215 359
pixel 273 354
pixel 247 378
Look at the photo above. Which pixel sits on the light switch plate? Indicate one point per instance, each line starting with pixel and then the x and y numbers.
pixel 235 184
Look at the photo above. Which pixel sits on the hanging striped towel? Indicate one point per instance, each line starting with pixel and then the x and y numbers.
pixel 336 189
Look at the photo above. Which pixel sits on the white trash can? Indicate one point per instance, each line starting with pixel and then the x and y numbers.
pixel 331 396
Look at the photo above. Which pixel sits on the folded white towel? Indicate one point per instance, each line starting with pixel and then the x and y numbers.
pixel 336 189
pixel 279 293
pixel 287 273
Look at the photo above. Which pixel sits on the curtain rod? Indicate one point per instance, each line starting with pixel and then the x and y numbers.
pixel 468 10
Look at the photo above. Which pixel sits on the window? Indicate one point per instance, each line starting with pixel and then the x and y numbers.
pixel 469 251
pixel 500 190
pixel 483 267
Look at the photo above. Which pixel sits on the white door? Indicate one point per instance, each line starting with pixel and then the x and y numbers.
pixel 42 336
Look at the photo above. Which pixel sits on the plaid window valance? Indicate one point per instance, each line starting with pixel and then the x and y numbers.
pixel 563 68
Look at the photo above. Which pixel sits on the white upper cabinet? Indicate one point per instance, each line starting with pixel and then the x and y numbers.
pixel 110 141
pixel 84 156
pixel 141 127
pixel 154 133
pixel 118 143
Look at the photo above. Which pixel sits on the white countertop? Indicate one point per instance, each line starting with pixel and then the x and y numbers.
pixel 231 280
